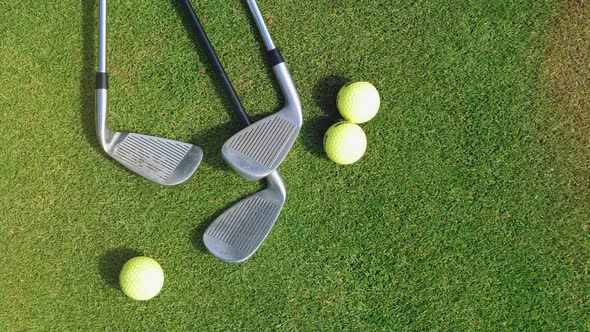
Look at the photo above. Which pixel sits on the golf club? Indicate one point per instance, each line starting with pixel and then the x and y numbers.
pixel 161 160
pixel 257 150
pixel 239 231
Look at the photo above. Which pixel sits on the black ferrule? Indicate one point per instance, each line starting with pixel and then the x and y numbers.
pixel 274 57
pixel 102 81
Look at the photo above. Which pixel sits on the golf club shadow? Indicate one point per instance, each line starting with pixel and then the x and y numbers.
pixel 312 133
pixel 211 140
pixel 111 263
pixel 87 74
pixel 197 236
pixel 325 93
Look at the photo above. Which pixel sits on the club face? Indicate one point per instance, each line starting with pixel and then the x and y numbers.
pixel 257 150
pixel 166 162
pixel 237 233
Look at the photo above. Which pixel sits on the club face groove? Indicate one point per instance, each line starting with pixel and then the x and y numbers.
pixel 259 149
pixel 238 232
pixel 161 160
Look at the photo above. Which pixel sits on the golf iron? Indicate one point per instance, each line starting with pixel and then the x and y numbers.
pixel 164 161
pixel 238 232
pixel 257 150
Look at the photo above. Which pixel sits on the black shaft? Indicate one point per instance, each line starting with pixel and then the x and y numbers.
pixel 225 82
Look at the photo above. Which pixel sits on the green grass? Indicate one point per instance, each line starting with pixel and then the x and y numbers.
pixel 470 210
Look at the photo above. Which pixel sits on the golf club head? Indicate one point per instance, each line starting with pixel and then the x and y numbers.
pixel 164 161
pixel 239 231
pixel 258 150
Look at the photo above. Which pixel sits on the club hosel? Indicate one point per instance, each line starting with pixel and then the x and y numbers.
pixel 275 181
pixel 292 101
pixel 103 132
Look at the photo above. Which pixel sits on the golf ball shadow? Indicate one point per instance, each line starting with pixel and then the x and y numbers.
pixel 314 128
pixel 325 93
pixel 111 263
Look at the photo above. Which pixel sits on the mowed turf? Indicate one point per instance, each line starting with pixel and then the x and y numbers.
pixel 469 211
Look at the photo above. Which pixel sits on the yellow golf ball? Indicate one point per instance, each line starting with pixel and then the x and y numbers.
pixel 141 278
pixel 345 142
pixel 358 102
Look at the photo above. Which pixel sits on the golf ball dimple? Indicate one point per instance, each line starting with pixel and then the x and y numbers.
pixel 141 278
pixel 345 142
pixel 358 102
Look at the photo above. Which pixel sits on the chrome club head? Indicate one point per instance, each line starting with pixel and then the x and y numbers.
pixel 238 232
pixel 259 149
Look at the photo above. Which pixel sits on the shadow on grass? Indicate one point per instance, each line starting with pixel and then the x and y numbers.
pixel 199 231
pixel 112 262
pixel 324 95
pixel 211 140
pixel 87 74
